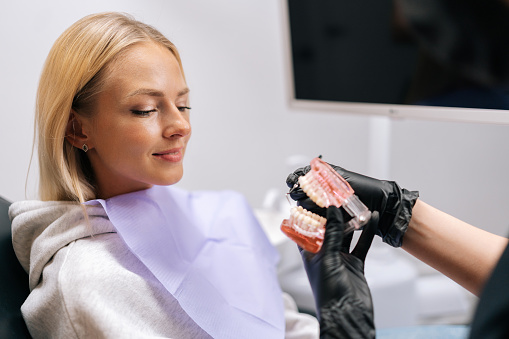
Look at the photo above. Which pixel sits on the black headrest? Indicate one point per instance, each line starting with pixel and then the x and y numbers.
pixel 5 223
pixel 13 284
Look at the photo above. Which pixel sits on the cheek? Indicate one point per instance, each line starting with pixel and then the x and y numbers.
pixel 139 140
pixel 127 139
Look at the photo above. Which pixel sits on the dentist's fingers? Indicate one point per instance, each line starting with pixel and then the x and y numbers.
pixel 366 238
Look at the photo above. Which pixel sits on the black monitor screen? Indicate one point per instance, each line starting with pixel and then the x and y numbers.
pixel 388 52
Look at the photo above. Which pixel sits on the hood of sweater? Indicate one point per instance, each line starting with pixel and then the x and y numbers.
pixel 41 228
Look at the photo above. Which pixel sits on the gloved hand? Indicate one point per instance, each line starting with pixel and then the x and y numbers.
pixel 393 203
pixel 343 300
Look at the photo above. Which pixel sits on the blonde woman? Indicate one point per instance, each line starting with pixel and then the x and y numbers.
pixel 112 249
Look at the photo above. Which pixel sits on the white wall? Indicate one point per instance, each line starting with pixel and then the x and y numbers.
pixel 243 128
pixel 461 168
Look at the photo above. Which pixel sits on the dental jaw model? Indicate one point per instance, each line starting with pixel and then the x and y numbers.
pixel 325 187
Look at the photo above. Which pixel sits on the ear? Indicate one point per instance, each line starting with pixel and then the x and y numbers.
pixel 76 133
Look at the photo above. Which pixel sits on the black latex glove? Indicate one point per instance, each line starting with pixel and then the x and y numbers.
pixel 393 203
pixel 343 300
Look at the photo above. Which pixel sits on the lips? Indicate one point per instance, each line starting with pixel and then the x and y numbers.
pixel 171 155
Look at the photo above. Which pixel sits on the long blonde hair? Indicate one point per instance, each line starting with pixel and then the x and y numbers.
pixel 72 75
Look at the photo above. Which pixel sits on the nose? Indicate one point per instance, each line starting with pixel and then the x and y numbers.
pixel 176 123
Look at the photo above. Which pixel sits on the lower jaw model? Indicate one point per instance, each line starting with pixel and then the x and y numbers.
pixel 325 187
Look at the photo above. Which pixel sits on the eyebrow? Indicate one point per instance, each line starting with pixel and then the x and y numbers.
pixel 154 93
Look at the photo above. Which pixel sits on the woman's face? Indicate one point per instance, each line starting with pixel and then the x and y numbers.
pixel 139 129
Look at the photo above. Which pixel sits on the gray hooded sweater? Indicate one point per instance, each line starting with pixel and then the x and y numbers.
pixel 86 283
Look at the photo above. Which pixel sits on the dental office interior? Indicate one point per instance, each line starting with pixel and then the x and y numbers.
pixel 249 133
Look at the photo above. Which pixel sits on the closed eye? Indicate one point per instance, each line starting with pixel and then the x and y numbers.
pixel 143 113
pixel 183 108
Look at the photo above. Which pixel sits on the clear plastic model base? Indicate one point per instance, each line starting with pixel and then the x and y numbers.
pixel 325 187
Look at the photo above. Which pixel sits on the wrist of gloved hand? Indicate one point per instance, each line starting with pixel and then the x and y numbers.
pixel 396 215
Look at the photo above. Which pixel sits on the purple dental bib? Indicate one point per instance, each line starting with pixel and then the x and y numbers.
pixel 208 250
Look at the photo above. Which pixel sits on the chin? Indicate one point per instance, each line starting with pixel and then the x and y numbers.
pixel 165 177
pixel 171 180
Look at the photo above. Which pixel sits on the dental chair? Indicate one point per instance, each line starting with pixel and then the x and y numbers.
pixel 13 282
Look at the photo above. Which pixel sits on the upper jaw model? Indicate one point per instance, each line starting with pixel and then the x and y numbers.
pixel 325 187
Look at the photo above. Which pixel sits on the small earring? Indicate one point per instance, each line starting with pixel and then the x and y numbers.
pixel 84 148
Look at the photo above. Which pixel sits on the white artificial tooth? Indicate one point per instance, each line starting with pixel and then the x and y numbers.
pixel 315 224
pixel 307 220
pixel 311 224
pixel 319 201
pixel 292 219
pixel 309 187
pixel 305 188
